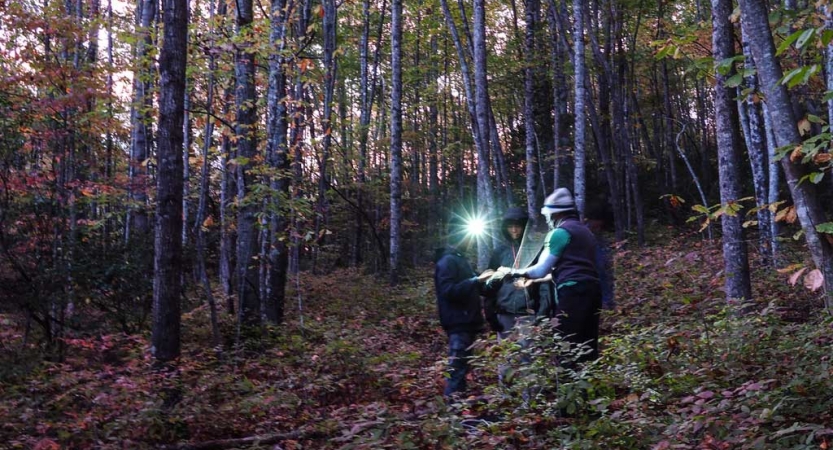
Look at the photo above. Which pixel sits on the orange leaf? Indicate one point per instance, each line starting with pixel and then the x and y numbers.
pixel 789 268
pixel 822 158
pixel 796 154
pixel 320 11
pixel 791 215
pixel 208 222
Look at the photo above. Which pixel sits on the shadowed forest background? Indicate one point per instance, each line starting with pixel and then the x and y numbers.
pixel 217 219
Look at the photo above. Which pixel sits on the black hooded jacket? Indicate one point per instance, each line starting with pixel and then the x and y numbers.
pixel 458 293
pixel 507 299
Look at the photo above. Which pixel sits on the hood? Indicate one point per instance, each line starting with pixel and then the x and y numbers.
pixel 442 251
pixel 513 215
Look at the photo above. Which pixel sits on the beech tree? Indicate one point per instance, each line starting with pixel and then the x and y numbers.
pixel 168 229
pixel 784 124
pixel 735 257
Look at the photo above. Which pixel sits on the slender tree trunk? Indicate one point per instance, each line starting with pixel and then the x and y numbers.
pixel 227 189
pixel 774 179
pixel 396 141
pixel 278 159
pixel 756 146
pixel 186 166
pixel 247 274
pixel 828 60
pixel 199 228
pixel 532 11
pixel 364 129
pixel 168 243
pixel 809 210
pixel 434 162
pixel 330 67
pixel 668 118
pixel 140 119
pixel 559 92
pixel 735 256
pixel 471 101
pixel 579 186
pixel 484 189
pixel 296 139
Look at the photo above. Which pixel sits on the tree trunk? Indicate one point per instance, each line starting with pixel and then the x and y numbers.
pixel 484 188
pixel 247 274
pixel 186 157
pixel 774 179
pixel 199 229
pixel 756 143
pixel 167 243
pixel 579 186
pixel 140 119
pixel 396 140
pixel 809 210
pixel 532 12
pixel 330 67
pixel 278 159
pixel 471 101
pixel 559 92
pixel 735 258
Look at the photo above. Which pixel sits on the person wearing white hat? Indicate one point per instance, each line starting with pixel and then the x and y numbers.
pixel 568 259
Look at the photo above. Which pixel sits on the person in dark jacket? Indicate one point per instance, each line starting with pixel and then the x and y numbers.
pixel 508 305
pixel 458 303
pixel 569 260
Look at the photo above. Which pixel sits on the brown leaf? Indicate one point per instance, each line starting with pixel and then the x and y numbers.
pixel 822 158
pixel 804 126
pixel 791 215
pixel 794 277
pixel 789 268
pixel 814 280
pixel 796 154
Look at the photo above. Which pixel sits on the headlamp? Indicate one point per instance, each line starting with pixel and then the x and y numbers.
pixel 475 226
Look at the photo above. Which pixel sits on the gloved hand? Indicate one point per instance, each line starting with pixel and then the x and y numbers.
pixel 487 275
pixel 508 272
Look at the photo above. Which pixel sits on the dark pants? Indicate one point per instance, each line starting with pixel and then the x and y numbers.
pixel 459 352
pixel 578 311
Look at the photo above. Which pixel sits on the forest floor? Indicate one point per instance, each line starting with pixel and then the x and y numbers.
pixel 362 368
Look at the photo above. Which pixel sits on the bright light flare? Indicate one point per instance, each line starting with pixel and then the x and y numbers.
pixel 475 226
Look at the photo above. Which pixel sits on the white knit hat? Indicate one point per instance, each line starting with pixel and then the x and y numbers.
pixel 561 200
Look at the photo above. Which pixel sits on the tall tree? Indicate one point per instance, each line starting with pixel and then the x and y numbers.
pixel 199 219
pixel 735 254
pixel 484 187
pixel 141 117
pixel 167 242
pixel 395 140
pixel 579 186
pixel 278 158
pixel 532 12
pixel 810 213
pixel 750 111
pixel 244 67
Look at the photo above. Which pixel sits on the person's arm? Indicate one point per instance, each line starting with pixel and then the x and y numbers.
pixel 554 248
pixel 448 286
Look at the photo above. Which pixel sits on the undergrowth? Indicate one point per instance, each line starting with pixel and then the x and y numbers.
pixel 680 368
